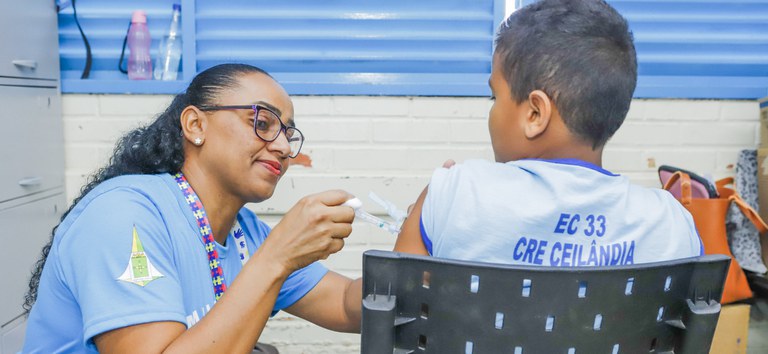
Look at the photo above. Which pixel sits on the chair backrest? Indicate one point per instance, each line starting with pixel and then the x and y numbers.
pixel 417 304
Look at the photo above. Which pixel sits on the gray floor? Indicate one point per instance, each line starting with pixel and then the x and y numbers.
pixel 758 337
pixel 757 340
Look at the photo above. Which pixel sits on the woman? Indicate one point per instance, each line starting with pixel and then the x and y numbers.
pixel 160 234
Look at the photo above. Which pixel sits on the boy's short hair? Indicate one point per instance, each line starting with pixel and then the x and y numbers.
pixel 580 53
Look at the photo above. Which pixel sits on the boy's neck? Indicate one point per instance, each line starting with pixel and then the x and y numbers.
pixel 559 143
pixel 594 157
pixel 583 153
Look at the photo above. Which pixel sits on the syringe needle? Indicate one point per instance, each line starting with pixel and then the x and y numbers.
pixel 363 215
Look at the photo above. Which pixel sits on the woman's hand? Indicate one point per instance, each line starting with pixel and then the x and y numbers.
pixel 312 230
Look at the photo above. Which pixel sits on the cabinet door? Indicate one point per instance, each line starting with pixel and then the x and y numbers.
pixel 29 38
pixel 12 335
pixel 31 141
pixel 26 228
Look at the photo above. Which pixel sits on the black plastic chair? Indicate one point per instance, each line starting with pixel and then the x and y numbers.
pixel 416 304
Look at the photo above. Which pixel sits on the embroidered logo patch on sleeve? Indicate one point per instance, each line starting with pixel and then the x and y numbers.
pixel 140 270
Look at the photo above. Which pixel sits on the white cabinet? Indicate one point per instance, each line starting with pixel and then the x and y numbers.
pixel 29 35
pixel 27 229
pixel 32 141
pixel 31 152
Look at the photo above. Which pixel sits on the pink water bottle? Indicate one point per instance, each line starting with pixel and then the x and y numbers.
pixel 139 60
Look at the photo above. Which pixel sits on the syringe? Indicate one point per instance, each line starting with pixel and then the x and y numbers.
pixel 363 215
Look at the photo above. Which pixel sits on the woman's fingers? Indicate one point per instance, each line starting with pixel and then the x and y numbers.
pixel 333 197
pixel 335 211
pixel 336 245
pixel 341 230
pixel 313 229
pixel 342 214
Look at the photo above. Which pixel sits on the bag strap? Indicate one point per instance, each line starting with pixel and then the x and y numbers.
pixel 750 213
pixel 747 210
pixel 685 186
pixel 721 183
pixel 122 52
pixel 88 56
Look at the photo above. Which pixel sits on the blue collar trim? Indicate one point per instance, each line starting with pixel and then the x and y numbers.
pixel 577 162
pixel 424 237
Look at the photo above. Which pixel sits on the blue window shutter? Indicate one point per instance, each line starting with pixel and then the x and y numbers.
pixel 699 49
pixel 366 47
pixel 356 47
pixel 105 23
pixel 686 48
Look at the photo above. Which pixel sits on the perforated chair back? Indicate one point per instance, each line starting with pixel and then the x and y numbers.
pixel 416 304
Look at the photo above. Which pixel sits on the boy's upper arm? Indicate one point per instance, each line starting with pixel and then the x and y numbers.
pixel 410 238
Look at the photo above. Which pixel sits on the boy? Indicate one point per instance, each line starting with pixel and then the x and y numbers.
pixel 562 80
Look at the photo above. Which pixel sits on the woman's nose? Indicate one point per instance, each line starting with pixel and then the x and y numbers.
pixel 281 144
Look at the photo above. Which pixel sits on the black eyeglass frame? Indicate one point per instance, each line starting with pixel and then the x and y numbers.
pixel 256 107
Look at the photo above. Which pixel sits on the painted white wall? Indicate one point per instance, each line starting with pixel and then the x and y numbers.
pixel 390 145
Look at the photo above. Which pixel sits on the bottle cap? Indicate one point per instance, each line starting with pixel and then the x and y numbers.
pixel 176 7
pixel 139 16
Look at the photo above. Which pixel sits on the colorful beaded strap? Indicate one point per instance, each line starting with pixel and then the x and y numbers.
pixel 217 272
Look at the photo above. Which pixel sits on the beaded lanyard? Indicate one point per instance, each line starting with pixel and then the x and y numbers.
pixel 217 273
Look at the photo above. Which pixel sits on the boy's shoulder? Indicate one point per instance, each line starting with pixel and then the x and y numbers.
pixel 561 175
pixel 474 169
pixel 562 167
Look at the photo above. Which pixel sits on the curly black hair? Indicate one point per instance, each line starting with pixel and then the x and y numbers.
pixel 155 148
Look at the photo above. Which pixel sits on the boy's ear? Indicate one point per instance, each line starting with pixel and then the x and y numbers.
pixel 540 113
pixel 193 123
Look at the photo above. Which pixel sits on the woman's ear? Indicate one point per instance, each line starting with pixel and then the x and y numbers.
pixel 193 124
pixel 540 114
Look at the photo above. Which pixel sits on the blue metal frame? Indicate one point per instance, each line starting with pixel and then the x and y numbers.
pixel 105 24
pixel 699 49
pixel 335 47
pixel 686 48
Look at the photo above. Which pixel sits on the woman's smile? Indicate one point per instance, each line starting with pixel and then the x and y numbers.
pixel 272 166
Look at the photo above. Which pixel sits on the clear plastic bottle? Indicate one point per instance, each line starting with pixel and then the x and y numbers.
pixel 169 53
pixel 139 60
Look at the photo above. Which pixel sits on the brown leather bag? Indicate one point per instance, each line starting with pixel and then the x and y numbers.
pixel 709 216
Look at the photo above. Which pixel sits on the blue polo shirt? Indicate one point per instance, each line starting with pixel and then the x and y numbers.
pixel 130 252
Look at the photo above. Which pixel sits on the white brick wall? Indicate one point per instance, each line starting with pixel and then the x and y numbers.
pixel 390 145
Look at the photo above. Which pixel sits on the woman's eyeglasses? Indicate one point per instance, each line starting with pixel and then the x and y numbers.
pixel 267 125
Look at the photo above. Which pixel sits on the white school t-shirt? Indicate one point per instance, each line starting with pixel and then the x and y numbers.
pixel 552 213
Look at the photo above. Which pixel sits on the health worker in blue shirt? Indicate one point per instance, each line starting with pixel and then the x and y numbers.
pixel 158 253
